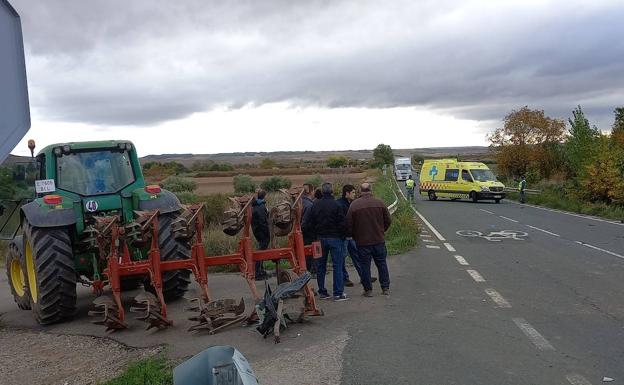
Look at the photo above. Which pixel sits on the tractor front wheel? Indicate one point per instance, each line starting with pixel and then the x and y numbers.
pixel 50 273
pixel 15 265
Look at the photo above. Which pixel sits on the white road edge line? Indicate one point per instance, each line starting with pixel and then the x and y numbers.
pixel 432 247
pixel 449 247
pixel 489 212
pixel 568 213
pixel 497 298
pixel 425 236
pixel 599 249
pixel 461 260
pixel 433 230
pixel 542 230
pixel 509 219
pixel 535 337
pixel 428 240
pixel 475 275
pixel 577 379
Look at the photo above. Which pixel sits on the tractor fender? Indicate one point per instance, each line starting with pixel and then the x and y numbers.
pixel 38 216
pixel 167 202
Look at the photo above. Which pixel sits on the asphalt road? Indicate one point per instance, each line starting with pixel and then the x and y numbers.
pixel 541 302
pixel 520 295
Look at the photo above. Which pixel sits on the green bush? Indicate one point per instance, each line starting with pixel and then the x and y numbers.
pixel 315 180
pixel 176 184
pixel 337 161
pixel 244 184
pixel 275 183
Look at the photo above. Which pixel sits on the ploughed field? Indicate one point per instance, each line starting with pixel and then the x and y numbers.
pixel 224 184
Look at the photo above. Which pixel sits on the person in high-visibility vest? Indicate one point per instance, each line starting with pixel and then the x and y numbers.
pixel 409 186
pixel 521 188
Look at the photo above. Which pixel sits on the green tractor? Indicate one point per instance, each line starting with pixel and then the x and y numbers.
pixel 74 184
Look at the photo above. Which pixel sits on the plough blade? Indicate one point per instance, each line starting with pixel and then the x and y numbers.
pixel 149 306
pixel 216 315
pixel 106 308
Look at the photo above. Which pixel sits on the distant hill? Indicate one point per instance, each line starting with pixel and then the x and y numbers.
pixel 467 153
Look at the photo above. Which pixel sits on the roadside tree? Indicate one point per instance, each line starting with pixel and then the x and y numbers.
pixel 528 138
pixel 581 146
pixel 382 155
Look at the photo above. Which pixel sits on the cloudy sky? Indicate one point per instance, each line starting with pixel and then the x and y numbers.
pixel 220 76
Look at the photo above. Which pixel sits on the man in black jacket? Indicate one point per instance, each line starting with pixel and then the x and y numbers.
pixel 327 220
pixel 260 228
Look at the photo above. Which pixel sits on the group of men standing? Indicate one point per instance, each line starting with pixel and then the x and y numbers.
pixel 345 226
pixel 348 225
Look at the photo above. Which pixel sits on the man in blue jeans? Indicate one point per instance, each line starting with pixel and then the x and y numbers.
pixel 368 219
pixel 326 219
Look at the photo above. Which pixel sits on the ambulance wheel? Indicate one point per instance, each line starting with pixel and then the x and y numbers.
pixel 432 195
pixel 474 197
pixel 497 200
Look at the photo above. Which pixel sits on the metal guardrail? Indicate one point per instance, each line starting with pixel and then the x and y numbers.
pixel 393 207
pixel 526 190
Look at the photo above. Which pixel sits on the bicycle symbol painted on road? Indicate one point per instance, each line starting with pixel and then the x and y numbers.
pixel 495 236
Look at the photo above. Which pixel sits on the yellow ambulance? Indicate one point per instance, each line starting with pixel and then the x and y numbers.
pixel 448 178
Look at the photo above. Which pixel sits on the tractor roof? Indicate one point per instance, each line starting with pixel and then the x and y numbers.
pixel 85 145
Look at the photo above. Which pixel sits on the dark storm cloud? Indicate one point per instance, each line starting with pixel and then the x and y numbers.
pixel 143 62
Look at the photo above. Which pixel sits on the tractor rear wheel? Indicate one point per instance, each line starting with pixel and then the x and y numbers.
pixel 175 283
pixel 50 273
pixel 15 265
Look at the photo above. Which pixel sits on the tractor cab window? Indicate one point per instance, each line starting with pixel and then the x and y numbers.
pixel 94 172
pixel 483 175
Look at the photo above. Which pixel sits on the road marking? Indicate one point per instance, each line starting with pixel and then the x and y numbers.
pixel 432 247
pixel 428 240
pixel 489 212
pixel 449 247
pixel 497 298
pixel 577 379
pixel 476 276
pixel 537 339
pixel 569 213
pixel 509 219
pixel 433 230
pixel 599 249
pixel 425 236
pixel 544 231
pixel 461 260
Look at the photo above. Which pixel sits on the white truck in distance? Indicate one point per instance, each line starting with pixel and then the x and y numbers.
pixel 402 168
